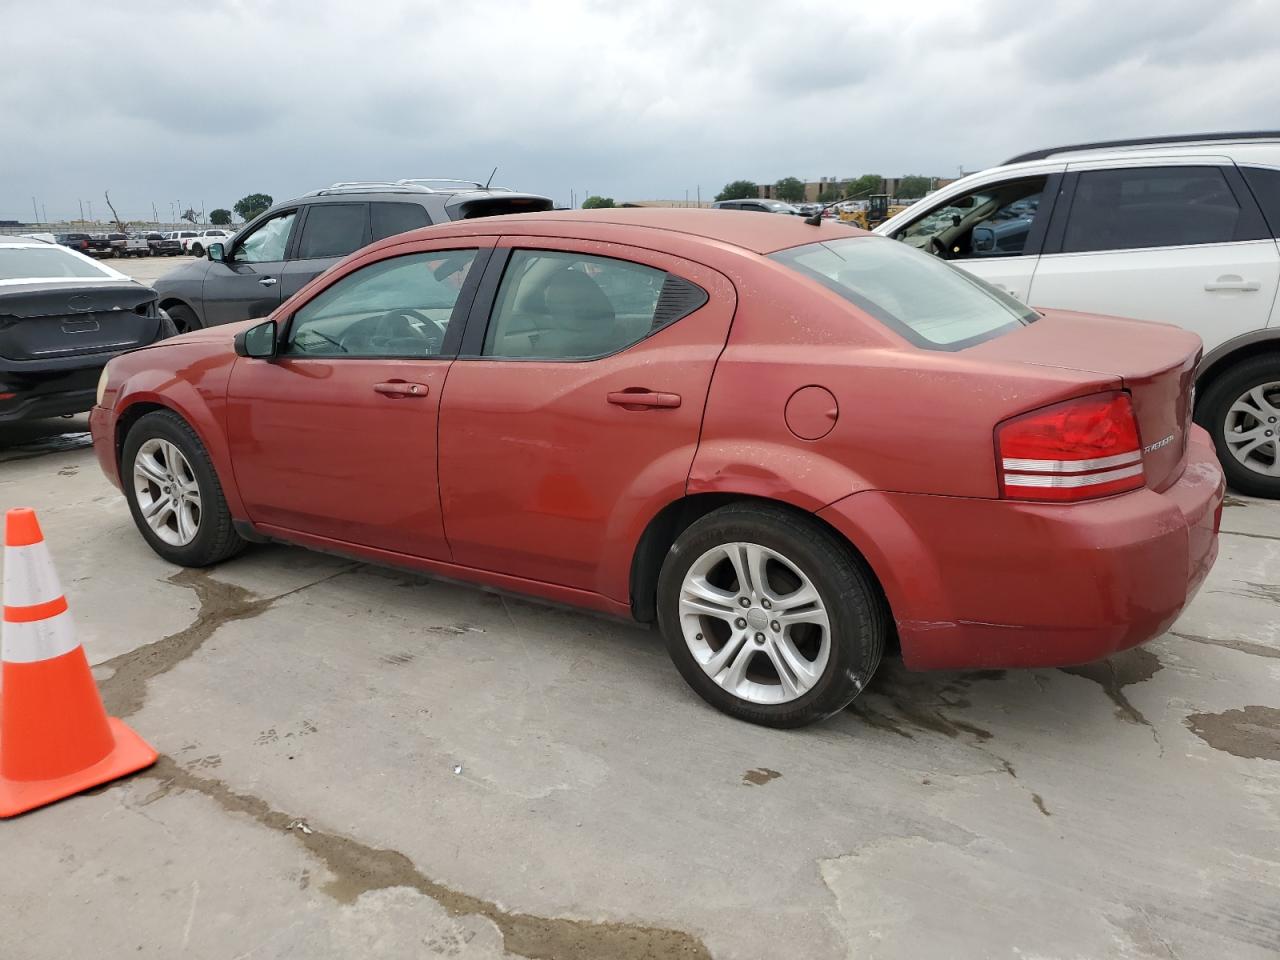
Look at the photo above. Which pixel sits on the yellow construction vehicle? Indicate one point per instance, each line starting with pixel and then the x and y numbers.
pixel 878 210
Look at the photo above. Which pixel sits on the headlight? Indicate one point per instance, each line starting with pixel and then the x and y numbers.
pixel 102 385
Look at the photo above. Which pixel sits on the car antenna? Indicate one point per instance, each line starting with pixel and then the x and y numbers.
pixel 490 180
pixel 816 219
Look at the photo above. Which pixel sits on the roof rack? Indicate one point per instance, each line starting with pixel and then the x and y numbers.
pixel 419 185
pixel 1145 141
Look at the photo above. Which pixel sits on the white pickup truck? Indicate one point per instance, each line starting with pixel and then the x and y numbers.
pixel 196 242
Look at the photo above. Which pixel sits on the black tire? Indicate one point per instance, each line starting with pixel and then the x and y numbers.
pixel 855 607
pixel 197 250
pixel 216 538
pixel 1213 408
pixel 184 318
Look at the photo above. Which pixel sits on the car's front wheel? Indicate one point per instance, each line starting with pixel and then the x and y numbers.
pixel 184 318
pixel 769 616
pixel 197 250
pixel 174 494
pixel 1241 410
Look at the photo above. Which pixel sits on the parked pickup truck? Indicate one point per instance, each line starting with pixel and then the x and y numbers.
pixel 95 245
pixel 123 245
pixel 163 244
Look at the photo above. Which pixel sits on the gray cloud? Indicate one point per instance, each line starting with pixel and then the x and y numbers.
pixel 164 102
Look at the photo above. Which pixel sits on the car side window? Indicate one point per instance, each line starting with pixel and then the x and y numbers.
pixel 1136 207
pixel 267 242
pixel 993 221
pixel 388 219
pixel 1264 182
pixel 398 307
pixel 553 305
pixel 333 230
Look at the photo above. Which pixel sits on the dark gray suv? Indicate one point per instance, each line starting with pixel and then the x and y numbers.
pixel 279 252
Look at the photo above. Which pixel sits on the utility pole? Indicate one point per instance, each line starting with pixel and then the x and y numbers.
pixel 81 202
pixel 686 197
pixel 699 196
pixel 35 213
pixel 90 203
pixel 44 213
pixel 155 217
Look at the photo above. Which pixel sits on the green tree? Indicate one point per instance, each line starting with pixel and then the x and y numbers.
pixel 864 185
pixel 220 217
pixel 830 195
pixel 249 207
pixel 913 186
pixel 790 189
pixel 597 203
pixel 739 190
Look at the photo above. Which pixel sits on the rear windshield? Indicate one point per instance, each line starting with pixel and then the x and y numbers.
pixel 47 263
pixel 927 301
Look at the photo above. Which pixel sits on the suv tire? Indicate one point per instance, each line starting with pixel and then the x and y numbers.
pixel 1215 414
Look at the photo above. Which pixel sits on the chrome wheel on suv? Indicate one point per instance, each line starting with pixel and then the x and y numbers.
pixel 1251 428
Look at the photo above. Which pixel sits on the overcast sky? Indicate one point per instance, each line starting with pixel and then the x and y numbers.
pixel 204 102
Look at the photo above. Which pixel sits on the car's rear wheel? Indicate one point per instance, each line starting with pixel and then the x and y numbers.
pixel 1241 410
pixel 174 494
pixel 184 318
pixel 769 616
pixel 197 250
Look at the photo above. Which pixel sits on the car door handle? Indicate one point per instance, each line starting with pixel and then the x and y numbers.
pixel 268 281
pixel 1230 281
pixel 398 389
pixel 639 397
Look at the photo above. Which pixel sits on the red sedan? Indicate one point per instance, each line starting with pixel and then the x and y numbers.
pixel 785 443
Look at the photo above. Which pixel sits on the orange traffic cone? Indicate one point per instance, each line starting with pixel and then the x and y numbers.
pixel 55 737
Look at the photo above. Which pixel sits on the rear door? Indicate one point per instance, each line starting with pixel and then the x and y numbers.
pixel 574 409
pixel 247 283
pixel 1179 240
pixel 328 232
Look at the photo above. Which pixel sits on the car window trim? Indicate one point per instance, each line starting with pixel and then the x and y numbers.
pixel 453 334
pixel 292 254
pixel 480 315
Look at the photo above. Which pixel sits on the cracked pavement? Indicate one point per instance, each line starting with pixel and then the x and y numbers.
pixel 361 762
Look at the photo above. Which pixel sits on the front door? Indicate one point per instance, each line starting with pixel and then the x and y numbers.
pixel 578 407
pixel 336 437
pixel 994 231
pixel 247 283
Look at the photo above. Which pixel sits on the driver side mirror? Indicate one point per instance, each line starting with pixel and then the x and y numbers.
pixel 258 342
pixel 217 252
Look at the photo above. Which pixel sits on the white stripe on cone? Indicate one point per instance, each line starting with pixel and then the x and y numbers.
pixel 40 640
pixel 29 576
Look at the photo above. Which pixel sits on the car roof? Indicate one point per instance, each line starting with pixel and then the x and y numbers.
pixel 739 228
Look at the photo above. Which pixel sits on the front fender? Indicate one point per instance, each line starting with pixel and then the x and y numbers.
pixel 193 384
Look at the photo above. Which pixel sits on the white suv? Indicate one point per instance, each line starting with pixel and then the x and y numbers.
pixel 1179 229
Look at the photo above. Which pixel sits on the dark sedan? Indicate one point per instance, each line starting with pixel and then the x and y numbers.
pixel 62 317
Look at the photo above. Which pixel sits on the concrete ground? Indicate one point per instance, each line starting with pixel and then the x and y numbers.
pixel 358 762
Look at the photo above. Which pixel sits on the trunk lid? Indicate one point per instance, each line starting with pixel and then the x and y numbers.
pixel 1155 362
pixel 54 322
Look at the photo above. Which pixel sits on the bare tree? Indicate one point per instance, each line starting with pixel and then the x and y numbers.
pixel 120 224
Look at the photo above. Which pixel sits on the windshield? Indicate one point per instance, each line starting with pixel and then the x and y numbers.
pixel 927 301
pixel 48 263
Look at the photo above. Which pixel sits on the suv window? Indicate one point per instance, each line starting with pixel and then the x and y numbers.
pixel 398 307
pixel 333 230
pixel 1133 208
pixel 388 219
pixel 992 221
pixel 1265 184
pixel 267 242
pixel 930 303
pixel 564 306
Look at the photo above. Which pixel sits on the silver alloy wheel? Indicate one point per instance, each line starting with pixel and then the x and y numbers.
pixel 167 491
pixel 755 623
pixel 1252 429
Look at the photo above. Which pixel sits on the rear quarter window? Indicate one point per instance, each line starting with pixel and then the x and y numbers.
pixel 928 302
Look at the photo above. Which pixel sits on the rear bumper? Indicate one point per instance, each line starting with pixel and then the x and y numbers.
pixel 102 429
pixel 51 393
pixel 993 583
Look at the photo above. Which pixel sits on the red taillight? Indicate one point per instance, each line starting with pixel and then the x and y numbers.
pixel 1077 450
pixel 84 244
